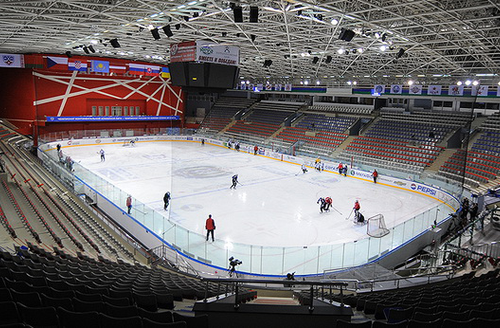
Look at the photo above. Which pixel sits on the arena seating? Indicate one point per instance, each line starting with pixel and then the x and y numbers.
pixel 42 289
pixel 322 142
pixel 479 165
pixel 391 154
pixel 222 112
pixel 342 108
pixel 337 124
pixel 460 302
pixel 492 123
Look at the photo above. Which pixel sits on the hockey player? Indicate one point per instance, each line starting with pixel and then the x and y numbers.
pixel 324 205
pixel 255 149
pixel 356 209
pixel 234 180
pixel 166 200
pixel 237 146
pixel 341 168
pixel 344 170
pixel 103 157
pixel 328 202
pixel 375 176
pixel 303 168
pixel 317 164
pixel 58 147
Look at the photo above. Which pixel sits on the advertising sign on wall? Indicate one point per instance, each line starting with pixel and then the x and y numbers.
pixel 183 52
pixel 209 52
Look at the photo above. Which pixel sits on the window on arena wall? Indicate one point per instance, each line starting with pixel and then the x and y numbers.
pixel 137 110
pixel 125 110
pixel 107 110
pixel 94 110
pixel 101 111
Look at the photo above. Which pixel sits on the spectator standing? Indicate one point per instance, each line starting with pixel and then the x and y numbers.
pixel 129 204
pixel 210 226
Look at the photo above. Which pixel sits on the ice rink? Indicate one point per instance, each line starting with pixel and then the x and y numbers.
pixel 275 205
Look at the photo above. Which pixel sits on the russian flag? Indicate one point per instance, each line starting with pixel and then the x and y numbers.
pixel 136 69
pixel 57 63
pixel 77 65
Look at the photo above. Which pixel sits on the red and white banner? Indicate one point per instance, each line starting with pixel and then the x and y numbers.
pixel 183 52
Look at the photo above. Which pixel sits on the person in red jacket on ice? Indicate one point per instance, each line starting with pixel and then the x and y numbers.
pixel 375 176
pixel 210 226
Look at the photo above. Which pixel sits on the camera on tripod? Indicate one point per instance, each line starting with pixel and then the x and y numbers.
pixel 234 262
pixel 232 265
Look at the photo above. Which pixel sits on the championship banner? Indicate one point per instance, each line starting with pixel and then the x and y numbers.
pixel 456 90
pixel 415 89
pixel 260 87
pixel 434 90
pixel 269 87
pixel 209 52
pixel 498 91
pixel 11 61
pixel 183 52
pixel 288 87
pixel 397 89
pixel 277 87
pixel 379 89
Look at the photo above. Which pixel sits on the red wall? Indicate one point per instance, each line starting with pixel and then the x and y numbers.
pixel 16 97
pixel 20 88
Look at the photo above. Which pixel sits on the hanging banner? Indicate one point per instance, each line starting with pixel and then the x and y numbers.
pixel 11 61
pixel 379 89
pixel 288 87
pixel 397 89
pixel 415 89
pixel 277 87
pixel 498 91
pixel 480 91
pixel 269 87
pixel 456 90
pixel 434 90
pixel 209 52
pixel 183 52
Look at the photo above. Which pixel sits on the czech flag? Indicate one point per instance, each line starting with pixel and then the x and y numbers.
pixel 57 63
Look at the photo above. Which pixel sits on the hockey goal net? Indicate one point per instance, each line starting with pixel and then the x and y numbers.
pixel 129 143
pixel 376 226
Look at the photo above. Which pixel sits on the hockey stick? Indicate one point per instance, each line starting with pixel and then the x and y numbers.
pixel 336 210
pixel 239 183
pixel 347 218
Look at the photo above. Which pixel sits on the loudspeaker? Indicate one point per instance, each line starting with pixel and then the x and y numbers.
pixel 253 37
pixel 168 31
pixel 400 53
pixel 254 14
pixel 68 54
pixel 328 59
pixel 86 50
pixel 315 60
pixel 346 34
pixel 238 14
pixel 114 43
pixel 267 63
pixel 155 33
pixel 91 48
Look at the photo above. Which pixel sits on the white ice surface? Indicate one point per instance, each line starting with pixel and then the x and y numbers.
pixel 275 205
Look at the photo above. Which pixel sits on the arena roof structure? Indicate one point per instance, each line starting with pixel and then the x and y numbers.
pixel 392 40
